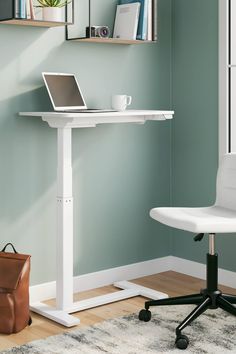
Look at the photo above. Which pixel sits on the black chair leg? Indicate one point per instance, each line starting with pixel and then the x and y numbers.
pixel 202 307
pixel 226 305
pixel 179 300
pixel 182 341
pixel 230 298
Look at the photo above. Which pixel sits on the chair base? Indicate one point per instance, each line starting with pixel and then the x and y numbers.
pixel 209 298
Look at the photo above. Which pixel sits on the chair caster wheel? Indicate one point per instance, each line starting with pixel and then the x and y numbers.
pixel 145 315
pixel 181 341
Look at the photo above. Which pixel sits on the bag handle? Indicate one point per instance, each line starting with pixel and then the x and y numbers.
pixel 4 248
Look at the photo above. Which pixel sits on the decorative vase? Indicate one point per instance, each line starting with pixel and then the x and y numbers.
pixel 53 14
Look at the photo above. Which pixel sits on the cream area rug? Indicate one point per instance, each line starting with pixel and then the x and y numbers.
pixel 212 333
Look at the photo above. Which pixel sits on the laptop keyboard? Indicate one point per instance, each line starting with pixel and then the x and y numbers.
pixel 89 111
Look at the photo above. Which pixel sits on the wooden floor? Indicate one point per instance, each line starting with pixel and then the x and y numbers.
pixel 172 283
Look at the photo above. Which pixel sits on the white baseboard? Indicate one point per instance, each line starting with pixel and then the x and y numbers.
pixel 195 269
pixel 89 281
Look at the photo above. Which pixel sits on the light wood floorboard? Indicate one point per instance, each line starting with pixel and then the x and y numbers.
pixel 172 283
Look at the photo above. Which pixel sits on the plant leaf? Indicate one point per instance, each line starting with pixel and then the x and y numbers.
pixel 53 3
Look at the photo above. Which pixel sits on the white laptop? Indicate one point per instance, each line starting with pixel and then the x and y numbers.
pixel 65 94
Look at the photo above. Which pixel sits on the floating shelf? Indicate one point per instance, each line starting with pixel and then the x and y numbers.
pixel 110 40
pixel 34 23
pixel 88 14
pixel 24 13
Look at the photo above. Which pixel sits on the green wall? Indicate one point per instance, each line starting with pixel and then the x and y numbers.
pixel 195 127
pixel 120 171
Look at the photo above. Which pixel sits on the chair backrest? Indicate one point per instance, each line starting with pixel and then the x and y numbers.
pixel 226 182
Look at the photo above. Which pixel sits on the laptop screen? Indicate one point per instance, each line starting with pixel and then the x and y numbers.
pixel 64 91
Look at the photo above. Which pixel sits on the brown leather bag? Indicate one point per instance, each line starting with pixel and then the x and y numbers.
pixel 14 291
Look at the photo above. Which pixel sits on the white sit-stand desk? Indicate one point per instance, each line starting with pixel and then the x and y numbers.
pixel 64 122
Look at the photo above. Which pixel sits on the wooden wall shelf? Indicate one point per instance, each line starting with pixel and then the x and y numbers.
pixel 25 13
pixel 34 23
pixel 110 41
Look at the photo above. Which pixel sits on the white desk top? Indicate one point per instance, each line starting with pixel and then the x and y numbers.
pixel 86 120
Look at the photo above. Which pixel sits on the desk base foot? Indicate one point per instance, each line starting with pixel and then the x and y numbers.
pixel 141 290
pixel 129 290
pixel 53 314
pixel 102 300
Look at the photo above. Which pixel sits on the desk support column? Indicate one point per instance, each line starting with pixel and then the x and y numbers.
pixel 64 220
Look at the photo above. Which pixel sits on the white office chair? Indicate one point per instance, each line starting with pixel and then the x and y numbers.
pixel 219 218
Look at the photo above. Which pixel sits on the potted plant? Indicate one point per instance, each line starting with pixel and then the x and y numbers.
pixel 53 9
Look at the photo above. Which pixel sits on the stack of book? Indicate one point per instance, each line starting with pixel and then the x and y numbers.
pixel 24 9
pixel 136 19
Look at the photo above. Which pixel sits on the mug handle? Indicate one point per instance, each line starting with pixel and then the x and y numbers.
pixel 128 100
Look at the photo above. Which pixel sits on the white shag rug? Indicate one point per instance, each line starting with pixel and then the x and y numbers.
pixel 214 332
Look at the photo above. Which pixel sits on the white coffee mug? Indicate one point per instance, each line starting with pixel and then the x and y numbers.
pixel 120 102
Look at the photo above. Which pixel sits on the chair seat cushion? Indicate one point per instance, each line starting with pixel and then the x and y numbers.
pixel 198 220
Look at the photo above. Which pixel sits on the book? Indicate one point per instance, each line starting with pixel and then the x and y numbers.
pixel 32 13
pixel 17 9
pixel 126 21
pixel 28 14
pixel 149 21
pixel 142 23
pixel 22 9
pixel 154 20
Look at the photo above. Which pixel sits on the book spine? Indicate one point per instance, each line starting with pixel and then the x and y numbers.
pixel 32 13
pixel 149 21
pixel 136 24
pixel 154 20
pixel 22 5
pixel 17 9
pixel 28 15
pixel 143 20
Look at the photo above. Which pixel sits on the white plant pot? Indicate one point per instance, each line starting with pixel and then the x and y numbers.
pixel 53 14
